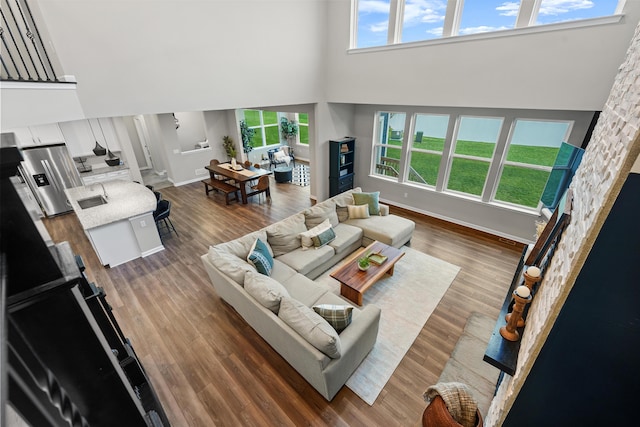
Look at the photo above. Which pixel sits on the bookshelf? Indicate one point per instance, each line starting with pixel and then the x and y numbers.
pixel 341 165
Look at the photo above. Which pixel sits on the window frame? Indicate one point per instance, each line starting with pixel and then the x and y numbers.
pixel 496 162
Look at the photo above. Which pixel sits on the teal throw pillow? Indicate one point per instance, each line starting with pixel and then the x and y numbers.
pixel 371 199
pixel 323 238
pixel 338 316
pixel 260 257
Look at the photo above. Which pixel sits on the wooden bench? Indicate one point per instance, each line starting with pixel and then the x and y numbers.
pixel 218 185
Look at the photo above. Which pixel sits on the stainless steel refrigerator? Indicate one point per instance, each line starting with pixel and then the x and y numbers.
pixel 49 170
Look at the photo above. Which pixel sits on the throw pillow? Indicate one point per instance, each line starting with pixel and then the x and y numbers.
pixel 338 316
pixel 318 213
pixel 306 237
pixel 311 326
pixel 267 291
pixel 260 257
pixel 358 211
pixel 229 264
pixel 323 238
pixel 371 199
pixel 284 236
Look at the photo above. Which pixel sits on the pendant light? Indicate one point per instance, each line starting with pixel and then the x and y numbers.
pixel 111 160
pixel 98 150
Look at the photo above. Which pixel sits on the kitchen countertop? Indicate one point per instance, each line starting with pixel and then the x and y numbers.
pixel 125 199
pixel 101 170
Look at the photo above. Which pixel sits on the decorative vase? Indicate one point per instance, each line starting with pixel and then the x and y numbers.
pixel 363 268
pixel 99 150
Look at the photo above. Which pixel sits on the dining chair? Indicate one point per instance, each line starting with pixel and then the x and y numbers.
pixel 214 162
pixel 161 216
pixel 262 187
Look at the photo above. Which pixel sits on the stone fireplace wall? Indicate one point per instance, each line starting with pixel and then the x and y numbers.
pixel 609 157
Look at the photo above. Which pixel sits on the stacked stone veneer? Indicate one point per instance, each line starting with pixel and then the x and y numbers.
pixel 614 147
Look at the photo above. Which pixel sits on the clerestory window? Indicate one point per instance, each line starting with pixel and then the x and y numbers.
pixel 389 22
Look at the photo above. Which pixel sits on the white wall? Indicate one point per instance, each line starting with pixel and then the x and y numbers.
pixel 566 69
pixel 138 57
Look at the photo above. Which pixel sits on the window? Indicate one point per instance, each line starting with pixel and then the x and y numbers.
pixel 429 19
pixel 303 126
pixel 388 148
pixel 474 146
pixel 422 20
pixel 514 162
pixel 265 123
pixel 373 22
pixel 483 16
pixel 531 154
pixel 552 11
pixel 427 146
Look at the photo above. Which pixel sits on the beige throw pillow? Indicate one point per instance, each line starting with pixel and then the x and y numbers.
pixel 306 238
pixel 265 290
pixel 317 214
pixel 358 211
pixel 284 236
pixel 311 326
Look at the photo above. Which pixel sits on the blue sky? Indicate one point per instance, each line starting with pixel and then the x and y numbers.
pixel 423 19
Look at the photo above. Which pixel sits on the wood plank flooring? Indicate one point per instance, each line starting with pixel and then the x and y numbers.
pixel 210 368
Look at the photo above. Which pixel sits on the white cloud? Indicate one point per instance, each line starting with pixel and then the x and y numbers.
pixel 373 6
pixel 379 27
pixel 509 8
pixel 480 29
pixel 557 7
pixel 424 12
pixel 435 31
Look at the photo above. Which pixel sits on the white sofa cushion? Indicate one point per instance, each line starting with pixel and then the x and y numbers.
pixel 346 235
pixel 317 214
pixel 284 236
pixel 229 264
pixel 305 261
pixel 240 247
pixel 311 326
pixel 265 290
pixel 305 290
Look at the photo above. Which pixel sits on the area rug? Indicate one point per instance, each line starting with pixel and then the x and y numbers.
pixel 406 299
pixel 301 175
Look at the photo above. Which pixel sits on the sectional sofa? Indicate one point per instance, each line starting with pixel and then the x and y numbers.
pixel 270 284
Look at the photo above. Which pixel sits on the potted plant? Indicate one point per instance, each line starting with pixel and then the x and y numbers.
pixel 364 263
pixel 229 146
pixel 246 133
pixel 288 129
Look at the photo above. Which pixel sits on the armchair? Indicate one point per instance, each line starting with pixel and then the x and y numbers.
pixel 283 154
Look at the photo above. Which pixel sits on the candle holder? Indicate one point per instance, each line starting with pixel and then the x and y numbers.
pixel 522 296
pixel 531 276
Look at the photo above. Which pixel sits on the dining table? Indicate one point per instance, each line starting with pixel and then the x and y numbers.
pixel 240 176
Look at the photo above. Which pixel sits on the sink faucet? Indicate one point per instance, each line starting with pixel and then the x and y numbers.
pixel 104 192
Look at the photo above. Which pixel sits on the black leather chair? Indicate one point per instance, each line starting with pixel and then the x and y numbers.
pixel 161 216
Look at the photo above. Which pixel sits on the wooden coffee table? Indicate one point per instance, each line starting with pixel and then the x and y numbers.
pixel 354 282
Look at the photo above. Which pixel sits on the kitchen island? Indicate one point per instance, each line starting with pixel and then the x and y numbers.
pixel 117 217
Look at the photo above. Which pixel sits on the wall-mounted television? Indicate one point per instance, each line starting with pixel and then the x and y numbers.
pixel 565 165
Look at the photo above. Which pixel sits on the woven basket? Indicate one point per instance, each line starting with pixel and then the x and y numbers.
pixel 437 415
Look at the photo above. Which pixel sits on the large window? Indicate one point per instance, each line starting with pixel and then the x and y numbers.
pixel 427 147
pixel 303 126
pixel 373 22
pixel 492 159
pixel 532 151
pixel 265 123
pixel 388 148
pixel 377 23
pixel 473 151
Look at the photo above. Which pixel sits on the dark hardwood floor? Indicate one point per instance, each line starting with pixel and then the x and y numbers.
pixel 210 368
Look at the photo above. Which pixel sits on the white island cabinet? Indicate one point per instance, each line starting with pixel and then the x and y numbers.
pixel 123 228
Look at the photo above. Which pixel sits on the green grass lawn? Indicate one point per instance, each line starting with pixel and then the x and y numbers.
pixel 518 185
